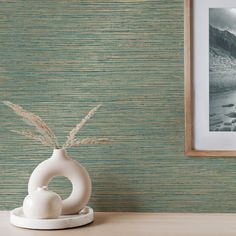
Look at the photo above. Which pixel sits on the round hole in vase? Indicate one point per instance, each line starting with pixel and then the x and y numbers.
pixel 60 185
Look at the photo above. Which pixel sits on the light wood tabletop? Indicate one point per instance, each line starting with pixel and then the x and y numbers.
pixel 150 224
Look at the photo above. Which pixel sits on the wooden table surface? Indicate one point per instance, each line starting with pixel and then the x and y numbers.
pixel 150 224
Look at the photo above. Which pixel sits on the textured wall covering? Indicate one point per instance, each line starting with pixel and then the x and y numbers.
pixel 61 58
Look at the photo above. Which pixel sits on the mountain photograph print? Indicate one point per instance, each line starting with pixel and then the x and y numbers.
pixel 222 69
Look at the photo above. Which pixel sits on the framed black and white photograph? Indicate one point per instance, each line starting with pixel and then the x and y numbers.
pixel 210 77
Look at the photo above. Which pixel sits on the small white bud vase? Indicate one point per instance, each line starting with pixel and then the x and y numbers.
pixel 60 164
pixel 42 204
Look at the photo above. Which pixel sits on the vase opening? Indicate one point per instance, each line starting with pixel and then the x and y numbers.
pixel 59 153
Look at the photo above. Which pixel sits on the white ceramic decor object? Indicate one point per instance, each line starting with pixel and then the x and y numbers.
pixel 18 218
pixel 60 164
pixel 43 209
pixel 42 204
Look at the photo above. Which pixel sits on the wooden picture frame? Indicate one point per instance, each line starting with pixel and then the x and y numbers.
pixel 189 91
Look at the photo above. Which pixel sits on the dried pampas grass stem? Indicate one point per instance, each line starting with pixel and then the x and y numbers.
pixel 71 138
pixel 46 135
pixel 92 141
pixel 30 135
pixel 35 121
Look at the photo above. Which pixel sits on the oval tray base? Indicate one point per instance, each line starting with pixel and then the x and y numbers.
pixel 85 217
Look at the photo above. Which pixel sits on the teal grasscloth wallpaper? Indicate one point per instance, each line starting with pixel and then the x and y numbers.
pixel 60 58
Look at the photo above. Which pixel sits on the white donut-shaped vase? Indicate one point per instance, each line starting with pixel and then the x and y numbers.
pixel 60 164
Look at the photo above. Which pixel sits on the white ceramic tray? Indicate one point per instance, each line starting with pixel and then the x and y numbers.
pixel 17 218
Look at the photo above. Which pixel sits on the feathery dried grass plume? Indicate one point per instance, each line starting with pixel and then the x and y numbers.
pixel 92 141
pixel 47 134
pixel 71 139
pixel 33 136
